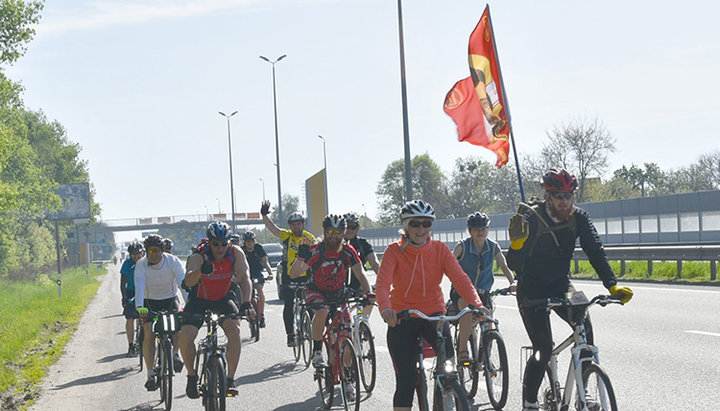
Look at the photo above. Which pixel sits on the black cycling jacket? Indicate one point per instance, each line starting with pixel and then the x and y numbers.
pixel 549 264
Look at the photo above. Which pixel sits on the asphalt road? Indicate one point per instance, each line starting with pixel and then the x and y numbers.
pixel 660 351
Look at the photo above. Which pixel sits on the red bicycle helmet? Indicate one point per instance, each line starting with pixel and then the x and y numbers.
pixel 559 180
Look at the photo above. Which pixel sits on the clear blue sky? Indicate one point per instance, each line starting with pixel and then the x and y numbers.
pixel 138 84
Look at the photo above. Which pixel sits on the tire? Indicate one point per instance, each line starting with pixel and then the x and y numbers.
pixel 324 377
pixel 495 368
pixel 297 330
pixel 141 338
pixel 455 397
pixel 548 394
pixel 350 376
pixel 217 384
pixel 598 389
pixel 306 338
pixel 256 321
pixel 421 390
pixel 166 373
pixel 468 376
pixel 366 351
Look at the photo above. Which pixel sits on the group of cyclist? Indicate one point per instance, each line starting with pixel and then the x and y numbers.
pixel 542 234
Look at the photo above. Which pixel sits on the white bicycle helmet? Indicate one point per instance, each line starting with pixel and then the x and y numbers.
pixel 416 208
pixel 295 217
pixel 334 221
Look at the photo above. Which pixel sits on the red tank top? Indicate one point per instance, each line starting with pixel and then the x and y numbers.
pixel 215 286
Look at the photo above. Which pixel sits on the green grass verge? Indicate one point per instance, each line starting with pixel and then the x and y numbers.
pixel 37 324
pixel 692 271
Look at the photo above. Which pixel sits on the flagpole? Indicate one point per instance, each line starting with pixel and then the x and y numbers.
pixel 507 106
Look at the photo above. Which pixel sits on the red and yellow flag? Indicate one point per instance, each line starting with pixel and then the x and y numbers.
pixel 476 103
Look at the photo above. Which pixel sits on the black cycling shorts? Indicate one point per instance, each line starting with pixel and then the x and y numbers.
pixel 484 297
pixel 194 311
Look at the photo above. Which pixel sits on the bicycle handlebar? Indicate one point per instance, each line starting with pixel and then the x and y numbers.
pixel 405 314
pixel 551 302
pixel 500 291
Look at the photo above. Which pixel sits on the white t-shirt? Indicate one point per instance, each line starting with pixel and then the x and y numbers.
pixel 160 281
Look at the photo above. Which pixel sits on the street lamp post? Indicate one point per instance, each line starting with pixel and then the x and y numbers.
pixel 232 191
pixel 277 145
pixel 263 188
pixel 327 208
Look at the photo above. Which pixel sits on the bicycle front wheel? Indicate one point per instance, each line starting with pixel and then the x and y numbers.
pixel 166 373
pixel 306 337
pixel 255 322
pixel 350 377
pixel 495 368
pixel 599 393
pixel 140 335
pixel 451 396
pixel 324 377
pixel 468 375
pixel 217 385
pixel 366 351
pixel 297 329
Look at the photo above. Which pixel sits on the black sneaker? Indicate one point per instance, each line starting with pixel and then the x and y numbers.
pixel 290 340
pixel 231 391
pixel 177 363
pixel 131 351
pixel 191 389
pixel 262 322
pixel 151 383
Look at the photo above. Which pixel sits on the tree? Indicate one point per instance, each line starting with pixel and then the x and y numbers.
pixel 643 179
pixel 17 19
pixel 290 205
pixel 429 184
pixel 580 147
pixel 478 186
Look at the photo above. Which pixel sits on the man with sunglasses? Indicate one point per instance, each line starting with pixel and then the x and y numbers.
pixel 328 263
pixel 542 243
pixel 363 247
pixel 290 241
pixel 158 278
pixel 211 269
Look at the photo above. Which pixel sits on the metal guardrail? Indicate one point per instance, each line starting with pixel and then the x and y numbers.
pixel 652 253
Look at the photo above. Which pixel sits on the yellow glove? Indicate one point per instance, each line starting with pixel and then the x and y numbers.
pixel 626 292
pixel 142 310
pixel 518 230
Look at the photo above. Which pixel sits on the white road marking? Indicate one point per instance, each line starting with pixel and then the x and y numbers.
pixel 703 333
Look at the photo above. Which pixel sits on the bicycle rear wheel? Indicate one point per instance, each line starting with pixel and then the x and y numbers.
pixel 451 397
pixel 140 335
pixel 306 337
pixel 350 377
pixel 599 393
pixel 254 322
pixel 495 368
pixel 366 351
pixel 166 372
pixel 324 377
pixel 468 375
pixel 217 384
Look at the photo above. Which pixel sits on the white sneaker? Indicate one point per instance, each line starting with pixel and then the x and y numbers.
pixel 349 393
pixel 317 359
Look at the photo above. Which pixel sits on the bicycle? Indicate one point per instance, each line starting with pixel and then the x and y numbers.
pixel 448 393
pixel 364 343
pixel 139 338
pixel 165 325
pixel 594 390
pixel 487 354
pixel 212 371
pixel 253 322
pixel 341 365
pixel 302 324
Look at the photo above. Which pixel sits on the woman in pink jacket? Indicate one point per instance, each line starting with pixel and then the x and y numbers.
pixel 409 277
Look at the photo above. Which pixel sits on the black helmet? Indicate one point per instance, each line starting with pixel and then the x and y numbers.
pixel 217 230
pixel 295 217
pixel 478 219
pixel 235 239
pixel 249 235
pixel 153 240
pixel 334 221
pixel 135 247
pixel 416 208
pixel 351 218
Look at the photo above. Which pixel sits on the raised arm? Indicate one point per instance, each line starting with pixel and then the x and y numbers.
pixel 269 224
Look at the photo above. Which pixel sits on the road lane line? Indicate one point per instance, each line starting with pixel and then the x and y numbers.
pixel 703 333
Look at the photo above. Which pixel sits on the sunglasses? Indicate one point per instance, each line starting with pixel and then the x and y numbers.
pixel 154 251
pixel 333 232
pixel 219 244
pixel 416 224
pixel 352 226
pixel 563 195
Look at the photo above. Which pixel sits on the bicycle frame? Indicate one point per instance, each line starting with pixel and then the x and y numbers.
pixel 336 331
pixel 208 348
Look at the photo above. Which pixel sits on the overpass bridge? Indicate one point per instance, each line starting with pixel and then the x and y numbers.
pixel 199 220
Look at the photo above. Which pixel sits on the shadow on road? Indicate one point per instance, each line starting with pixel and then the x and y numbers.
pixel 111 358
pixel 112 316
pixel 151 405
pixel 312 403
pixel 111 376
pixel 280 370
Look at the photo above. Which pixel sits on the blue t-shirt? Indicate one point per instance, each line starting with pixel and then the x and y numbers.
pixel 128 268
pixel 479 266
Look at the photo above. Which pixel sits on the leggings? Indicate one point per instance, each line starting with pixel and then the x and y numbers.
pixel 402 344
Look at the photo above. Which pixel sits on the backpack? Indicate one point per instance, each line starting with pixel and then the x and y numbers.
pixel 542 227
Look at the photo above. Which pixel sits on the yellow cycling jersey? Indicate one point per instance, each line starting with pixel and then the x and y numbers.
pixel 290 246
